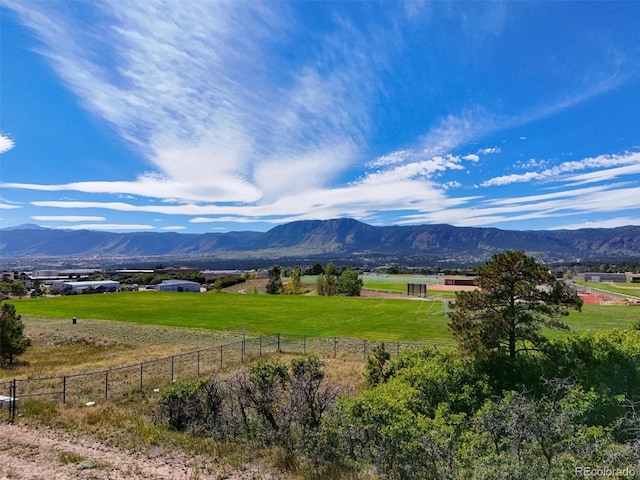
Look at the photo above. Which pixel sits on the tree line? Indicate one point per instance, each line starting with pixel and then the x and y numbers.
pixel 330 281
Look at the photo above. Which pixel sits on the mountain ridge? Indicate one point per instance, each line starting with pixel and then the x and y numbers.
pixel 341 237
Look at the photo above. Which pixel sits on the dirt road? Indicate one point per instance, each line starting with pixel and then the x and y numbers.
pixel 40 453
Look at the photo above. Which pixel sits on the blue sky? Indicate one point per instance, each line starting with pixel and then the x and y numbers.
pixel 206 116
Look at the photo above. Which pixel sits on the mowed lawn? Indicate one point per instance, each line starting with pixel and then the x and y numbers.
pixel 369 318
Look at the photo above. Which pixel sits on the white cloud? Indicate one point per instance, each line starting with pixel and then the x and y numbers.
pixel 227 220
pixel 67 218
pixel 360 200
pixel 611 167
pixel 194 85
pixel 235 131
pixel 107 226
pixel 607 223
pixel 604 175
pixel 489 151
pixel 454 130
pixel 173 228
pixel 452 184
pixel 603 199
pixel 6 143
pixel 513 178
pixel 562 194
pixel 8 206
pixel 392 158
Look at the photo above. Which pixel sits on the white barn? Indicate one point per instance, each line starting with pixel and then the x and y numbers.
pixel 178 286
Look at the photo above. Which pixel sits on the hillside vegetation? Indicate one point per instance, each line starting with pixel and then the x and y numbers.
pixel 342 238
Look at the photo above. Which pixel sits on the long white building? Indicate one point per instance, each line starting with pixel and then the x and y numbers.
pixel 66 286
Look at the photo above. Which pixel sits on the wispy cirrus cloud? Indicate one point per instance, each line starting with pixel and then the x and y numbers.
pixel 106 226
pixel 68 218
pixel 223 219
pixel 8 206
pixel 234 128
pixel 613 198
pixel 176 85
pixel 607 167
pixel 607 223
pixel 173 228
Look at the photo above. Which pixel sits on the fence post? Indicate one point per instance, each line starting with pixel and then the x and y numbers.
pixel 364 349
pixel 335 347
pixel 106 384
pixel 64 389
pixel 221 356
pixel 141 365
pixel 260 340
pixel 278 343
pixel 12 404
pixel 304 345
pixel 172 376
pixel 198 363
pixel 243 344
pixel 397 348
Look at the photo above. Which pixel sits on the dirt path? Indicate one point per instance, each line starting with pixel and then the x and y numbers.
pixel 41 453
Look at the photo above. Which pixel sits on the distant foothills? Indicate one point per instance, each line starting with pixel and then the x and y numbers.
pixel 340 240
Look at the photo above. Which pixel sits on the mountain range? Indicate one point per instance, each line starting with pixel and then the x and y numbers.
pixel 342 238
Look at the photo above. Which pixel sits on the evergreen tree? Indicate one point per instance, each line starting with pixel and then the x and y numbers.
pixel 274 283
pixel 517 298
pixel 327 283
pixel 349 283
pixel 12 339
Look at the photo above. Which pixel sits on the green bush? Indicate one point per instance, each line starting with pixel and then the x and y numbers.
pixel 376 370
pixel 191 406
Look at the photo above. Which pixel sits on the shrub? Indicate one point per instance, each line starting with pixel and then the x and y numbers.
pixel 376 369
pixel 192 406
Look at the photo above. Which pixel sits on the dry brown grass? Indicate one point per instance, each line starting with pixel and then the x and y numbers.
pixel 125 422
pixel 63 348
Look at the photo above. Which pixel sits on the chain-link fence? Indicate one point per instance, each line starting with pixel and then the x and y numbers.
pixel 101 385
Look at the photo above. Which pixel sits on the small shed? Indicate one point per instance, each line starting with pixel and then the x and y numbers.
pixel 178 286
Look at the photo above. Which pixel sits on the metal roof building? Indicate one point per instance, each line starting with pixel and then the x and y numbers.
pixel 178 286
pixel 79 287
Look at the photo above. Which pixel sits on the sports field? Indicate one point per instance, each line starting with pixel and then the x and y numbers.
pixel 369 318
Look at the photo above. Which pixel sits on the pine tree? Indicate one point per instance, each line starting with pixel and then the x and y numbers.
pixel 517 298
pixel 12 339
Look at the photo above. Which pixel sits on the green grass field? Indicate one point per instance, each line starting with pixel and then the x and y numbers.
pixel 370 318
